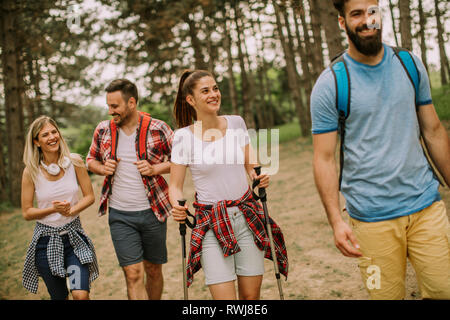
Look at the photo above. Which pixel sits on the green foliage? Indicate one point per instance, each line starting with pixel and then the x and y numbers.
pixel 80 130
pixel 441 101
pixel 158 111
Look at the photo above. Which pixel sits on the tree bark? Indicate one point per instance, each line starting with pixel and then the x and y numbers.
pixel 330 24
pixel 405 24
pixel 317 36
pixel 247 95
pixel 270 109
pixel 230 75
pixel 196 44
pixel 14 117
pixel 445 68
pixel 394 27
pixel 291 73
pixel 306 76
pixel 423 25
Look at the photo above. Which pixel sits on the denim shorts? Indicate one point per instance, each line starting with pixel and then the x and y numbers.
pixel 138 236
pixel 78 273
pixel 247 262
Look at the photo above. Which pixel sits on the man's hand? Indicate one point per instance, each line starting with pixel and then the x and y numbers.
pixel 110 167
pixel 145 168
pixel 342 235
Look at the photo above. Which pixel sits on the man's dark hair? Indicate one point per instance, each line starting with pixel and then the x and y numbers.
pixel 339 5
pixel 126 87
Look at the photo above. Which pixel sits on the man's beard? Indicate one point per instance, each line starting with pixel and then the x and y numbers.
pixel 123 118
pixel 369 46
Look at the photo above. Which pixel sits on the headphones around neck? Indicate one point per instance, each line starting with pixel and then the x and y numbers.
pixel 54 168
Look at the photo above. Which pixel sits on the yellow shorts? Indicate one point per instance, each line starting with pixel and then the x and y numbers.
pixel 422 237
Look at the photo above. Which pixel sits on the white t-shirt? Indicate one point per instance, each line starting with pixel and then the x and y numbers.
pixel 128 191
pixel 217 167
pixel 63 189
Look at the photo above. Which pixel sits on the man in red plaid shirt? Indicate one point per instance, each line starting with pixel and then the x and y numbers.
pixel 132 151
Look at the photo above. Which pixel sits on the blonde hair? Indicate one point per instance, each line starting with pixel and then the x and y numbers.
pixel 32 154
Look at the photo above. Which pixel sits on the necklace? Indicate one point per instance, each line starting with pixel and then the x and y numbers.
pixel 54 169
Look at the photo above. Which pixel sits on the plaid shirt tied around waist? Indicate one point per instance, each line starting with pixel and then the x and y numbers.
pixel 158 148
pixel 215 217
pixel 55 252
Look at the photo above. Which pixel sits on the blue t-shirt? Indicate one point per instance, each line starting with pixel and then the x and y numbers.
pixel 385 174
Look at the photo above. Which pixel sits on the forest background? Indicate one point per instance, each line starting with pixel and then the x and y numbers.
pixel 58 56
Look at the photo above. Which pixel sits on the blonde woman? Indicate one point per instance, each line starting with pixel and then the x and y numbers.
pixel 59 247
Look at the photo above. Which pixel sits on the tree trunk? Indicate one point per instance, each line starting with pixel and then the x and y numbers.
pixel 330 24
pixel 405 24
pixel 13 115
pixel 270 109
pixel 394 27
pixel 53 106
pixel 291 72
pixel 306 76
pixel 247 95
pixel 317 35
pixel 445 68
pixel 230 76
pixel 262 105
pixel 31 103
pixel 196 44
pixel 423 25
pixel 213 53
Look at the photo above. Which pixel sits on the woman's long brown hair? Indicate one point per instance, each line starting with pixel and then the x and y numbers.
pixel 184 113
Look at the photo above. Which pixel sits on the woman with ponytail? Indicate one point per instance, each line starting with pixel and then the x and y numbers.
pixel 229 240
pixel 59 247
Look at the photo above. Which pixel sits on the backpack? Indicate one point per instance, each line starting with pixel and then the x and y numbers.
pixel 144 123
pixel 341 75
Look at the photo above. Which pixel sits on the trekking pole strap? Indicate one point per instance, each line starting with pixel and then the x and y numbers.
pixel 262 191
pixel 190 224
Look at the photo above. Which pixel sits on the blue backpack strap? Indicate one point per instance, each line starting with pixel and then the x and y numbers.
pixel 341 75
pixel 408 63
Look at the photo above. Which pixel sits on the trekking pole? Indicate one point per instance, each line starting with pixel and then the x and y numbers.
pixel 183 246
pixel 263 198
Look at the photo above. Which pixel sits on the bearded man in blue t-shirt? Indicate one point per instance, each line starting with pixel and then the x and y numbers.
pixel 391 193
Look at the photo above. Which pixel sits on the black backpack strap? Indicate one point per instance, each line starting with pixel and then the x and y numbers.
pixel 341 76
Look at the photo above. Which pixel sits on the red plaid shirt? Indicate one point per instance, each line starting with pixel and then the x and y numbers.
pixel 159 146
pixel 215 217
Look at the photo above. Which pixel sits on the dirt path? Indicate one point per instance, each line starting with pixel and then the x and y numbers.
pixel 317 270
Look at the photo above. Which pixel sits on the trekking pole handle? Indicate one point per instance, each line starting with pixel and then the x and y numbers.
pixel 190 224
pixel 262 191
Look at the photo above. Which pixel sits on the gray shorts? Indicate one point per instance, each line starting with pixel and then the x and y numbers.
pixel 138 236
pixel 247 262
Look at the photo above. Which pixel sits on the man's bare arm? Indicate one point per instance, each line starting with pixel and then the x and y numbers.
pixel 327 183
pixel 436 139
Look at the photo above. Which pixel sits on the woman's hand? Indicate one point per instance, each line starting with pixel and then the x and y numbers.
pixel 263 179
pixel 62 207
pixel 179 213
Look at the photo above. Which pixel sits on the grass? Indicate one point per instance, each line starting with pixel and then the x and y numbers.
pixel 441 101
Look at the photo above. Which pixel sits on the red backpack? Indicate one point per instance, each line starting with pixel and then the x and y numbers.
pixel 144 123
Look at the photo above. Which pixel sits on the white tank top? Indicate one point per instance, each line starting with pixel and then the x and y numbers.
pixel 128 191
pixel 217 168
pixel 66 188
